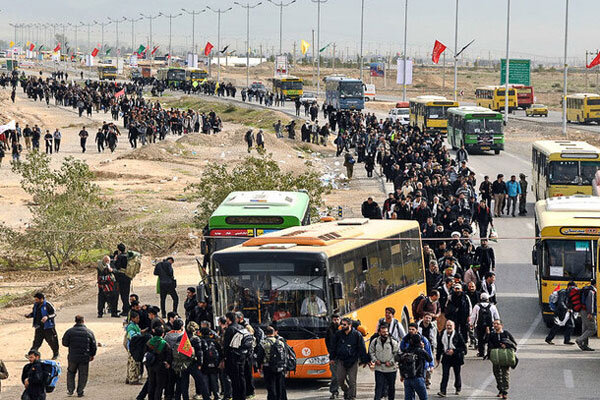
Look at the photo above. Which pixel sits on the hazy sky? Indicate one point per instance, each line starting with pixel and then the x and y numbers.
pixel 537 26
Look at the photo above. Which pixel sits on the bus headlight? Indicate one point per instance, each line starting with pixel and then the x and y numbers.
pixel 319 360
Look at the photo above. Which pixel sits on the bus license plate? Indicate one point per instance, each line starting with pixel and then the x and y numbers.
pixel 485 147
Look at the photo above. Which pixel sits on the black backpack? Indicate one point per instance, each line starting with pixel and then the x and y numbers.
pixel 407 365
pixel 137 346
pixel 277 355
pixel 484 317
pixel 415 304
pixel 212 358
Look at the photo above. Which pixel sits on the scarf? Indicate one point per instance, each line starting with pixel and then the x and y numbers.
pixel 157 344
pixel 447 341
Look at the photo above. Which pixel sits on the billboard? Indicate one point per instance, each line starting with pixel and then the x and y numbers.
pixel 400 76
pixel 519 72
pixel 377 69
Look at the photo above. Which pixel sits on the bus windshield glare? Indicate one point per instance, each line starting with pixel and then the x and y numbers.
pixel 588 171
pixel 291 85
pixel 351 89
pixel 483 125
pixel 436 112
pixel 564 172
pixel 274 286
pixel 568 259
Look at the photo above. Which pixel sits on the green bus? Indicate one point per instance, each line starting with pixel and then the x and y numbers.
pixel 244 215
pixel 172 76
pixel 477 128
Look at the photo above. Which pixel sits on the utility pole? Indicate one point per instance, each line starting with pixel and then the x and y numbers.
pixel 170 16
pixel 219 12
pixel 456 51
pixel 193 14
pixel 507 77
pixel 319 43
pixel 333 62
pixel 404 53
pixel 564 99
pixel 444 71
pixel 281 5
pixel 248 7
pixel 117 21
pixel 313 56
pixel 89 45
pixel 15 26
pixel 150 18
pixel 133 21
pixel 102 25
pixel 362 19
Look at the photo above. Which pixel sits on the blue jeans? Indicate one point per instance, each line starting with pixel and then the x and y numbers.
pixel 415 385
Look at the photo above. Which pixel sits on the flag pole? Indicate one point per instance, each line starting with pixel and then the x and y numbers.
pixel 456 51
pixel 507 75
pixel 404 53
pixel 564 99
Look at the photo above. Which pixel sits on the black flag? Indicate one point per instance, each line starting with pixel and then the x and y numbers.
pixel 463 49
pixel 224 49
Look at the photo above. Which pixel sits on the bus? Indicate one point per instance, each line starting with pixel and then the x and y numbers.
pixel 196 75
pixel 493 97
pixel 171 76
pixel 476 128
pixel 525 96
pixel 107 72
pixel 430 113
pixel 344 94
pixel 290 86
pixel 563 168
pixel 583 108
pixel 243 215
pixel 567 230
pixel 354 267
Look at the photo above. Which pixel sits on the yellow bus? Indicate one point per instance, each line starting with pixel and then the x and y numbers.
pixel 567 231
pixel 563 168
pixel 493 97
pixel 196 75
pixel 583 108
pixel 107 72
pixel 354 267
pixel 430 113
pixel 291 86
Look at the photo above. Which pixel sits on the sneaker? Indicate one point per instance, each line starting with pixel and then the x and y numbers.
pixel 69 394
pixel 55 357
pixel 457 393
pixel 587 348
pixel 569 343
pixel 549 341
pixel 80 394
pixel 580 345
pixel 334 395
pixel 440 394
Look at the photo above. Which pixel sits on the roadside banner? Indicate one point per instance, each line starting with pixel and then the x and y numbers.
pixel 8 127
pixel 377 69
pixel 400 75
pixel 594 62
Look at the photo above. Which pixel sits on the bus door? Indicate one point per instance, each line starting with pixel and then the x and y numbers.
pixel 597 288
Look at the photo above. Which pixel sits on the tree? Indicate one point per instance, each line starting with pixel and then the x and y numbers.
pixel 252 173
pixel 67 210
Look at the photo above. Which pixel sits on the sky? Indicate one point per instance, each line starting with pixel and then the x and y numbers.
pixel 537 26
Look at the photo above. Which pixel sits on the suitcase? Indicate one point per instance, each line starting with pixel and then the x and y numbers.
pixel 503 357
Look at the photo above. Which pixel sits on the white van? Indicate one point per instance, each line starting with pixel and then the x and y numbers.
pixel 369 92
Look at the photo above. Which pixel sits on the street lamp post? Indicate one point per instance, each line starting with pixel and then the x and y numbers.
pixel 170 16
pixel 281 5
pixel 102 24
pixel 362 19
pixel 117 22
pixel 248 7
pixel 506 108
pixel 456 51
pixel 89 43
pixel 404 51
pixel 193 14
pixel 133 21
pixel 564 100
pixel 219 12
pixel 150 18
pixel 318 49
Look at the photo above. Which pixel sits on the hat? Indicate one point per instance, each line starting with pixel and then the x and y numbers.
pixel 455 233
pixel 484 297
pixel 522 175
pixel 457 286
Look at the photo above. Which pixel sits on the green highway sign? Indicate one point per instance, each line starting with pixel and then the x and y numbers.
pixel 520 72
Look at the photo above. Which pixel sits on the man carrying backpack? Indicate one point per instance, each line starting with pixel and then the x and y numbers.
pixel 167 284
pixel 382 351
pixel 235 354
pixel 34 378
pixel 588 315
pixel 481 320
pixel 414 362
pixel 271 358
pixel 43 315
pixel 563 314
pixel 124 282
pixel 107 290
pixel 82 350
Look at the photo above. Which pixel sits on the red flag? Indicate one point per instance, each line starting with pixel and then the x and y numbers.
pixel 95 52
pixel 31 47
pixel 438 49
pixel 185 346
pixel 121 93
pixel 154 50
pixel 57 48
pixel 594 62
pixel 208 48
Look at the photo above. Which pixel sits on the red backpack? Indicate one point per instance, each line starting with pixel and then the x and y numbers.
pixel 575 299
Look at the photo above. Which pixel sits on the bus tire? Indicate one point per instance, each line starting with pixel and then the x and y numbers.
pixel 496 152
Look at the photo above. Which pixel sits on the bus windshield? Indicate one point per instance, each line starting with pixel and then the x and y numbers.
pixel 568 259
pixel 291 85
pixel 588 171
pixel 351 89
pixel 564 172
pixel 267 287
pixel 483 125
pixel 436 112
pixel 199 75
pixel 593 102
pixel 176 74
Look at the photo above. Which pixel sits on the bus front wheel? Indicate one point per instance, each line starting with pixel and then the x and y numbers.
pixel 496 152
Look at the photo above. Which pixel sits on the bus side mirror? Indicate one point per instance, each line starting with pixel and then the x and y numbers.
pixel 203 247
pixel 337 289
pixel 534 255
pixel 201 293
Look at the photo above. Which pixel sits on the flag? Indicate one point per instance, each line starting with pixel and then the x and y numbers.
pixel 107 52
pixel 95 52
pixel 594 62
pixel 57 48
pixel 11 45
pixel 208 48
pixel 31 47
pixel 304 45
pixel 185 346
pixel 438 49
pixel 27 44
pixel 154 50
pixel 121 93
pixel 41 47
pixel 141 49
pixel 224 49
pixel 463 49
pixel 323 49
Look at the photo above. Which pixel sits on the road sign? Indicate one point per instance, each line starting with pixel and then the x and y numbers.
pixel 520 71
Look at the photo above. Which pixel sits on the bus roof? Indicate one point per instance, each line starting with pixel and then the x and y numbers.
pixel 464 110
pixel 493 87
pixel 569 211
pixel 566 149
pixel 341 78
pixel 582 95
pixel 263 202
pixel 330 238
pixel 287 77
pixel 434 100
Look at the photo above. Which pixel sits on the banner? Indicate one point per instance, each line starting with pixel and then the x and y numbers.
pixel 192 60
pixel 10 126
pixel 400 76
pixel 57 48
pixel 377 69
pixel 594 62
pixel 304 46
pixel 208 48
pixel 95 52
pixel 281 66
pixel 438 49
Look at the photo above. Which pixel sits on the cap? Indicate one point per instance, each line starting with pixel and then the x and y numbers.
pixel 484 297
pixel 455 233
pixel 522 175
pixel 457 286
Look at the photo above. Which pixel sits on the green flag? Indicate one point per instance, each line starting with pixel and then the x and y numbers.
pixel 41 47
pixel 108 51
pixel 141 49
pixel 323 49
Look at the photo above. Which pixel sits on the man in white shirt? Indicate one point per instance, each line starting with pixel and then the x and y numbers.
pixel 313 306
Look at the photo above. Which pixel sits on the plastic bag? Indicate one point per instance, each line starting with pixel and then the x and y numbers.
pixel 493 235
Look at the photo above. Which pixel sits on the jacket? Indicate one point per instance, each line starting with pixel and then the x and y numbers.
pixel 460 349
pixel 3 373
pixel 164 271
pixel 404 346
pixel 513 188
pixel 348 348
pixel 384 353
pixel 495 340
pixel 35 375
pixel 331 331
pixel 81 343
pixel 45 309
pixel 499 187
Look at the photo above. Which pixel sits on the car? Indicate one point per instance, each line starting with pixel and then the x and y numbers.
pixel 309 98
pixel 400 114
pixel 537 109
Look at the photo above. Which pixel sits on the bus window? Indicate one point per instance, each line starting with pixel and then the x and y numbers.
pixel 434 112
pixel 351 89
pixel 474 126
pixel 494 126
pixel 588 171
pixel 568 259
pixel 564 172
pixel 593 102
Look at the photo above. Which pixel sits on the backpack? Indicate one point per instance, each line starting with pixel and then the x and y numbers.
pixel 106 283
pixel 557 298
pixel 277 355
pixel 137 346
pixel 52 372
pixel 134 264
pixel 242 343
pixel 212 358
pixel 407 365
pixel 575 299
pixel 585 292
pixel 484 317
pixel 290 360
pixel 149 359
pixel 415 304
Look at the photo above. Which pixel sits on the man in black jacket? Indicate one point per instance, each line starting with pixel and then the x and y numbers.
pixel 34 378
pixel 82 349
pixel 451 350
pixel 370 209
pixel 334 327
pixel 167 284
pixel 501 339
pixel 43 315
pixel 234 363
pixel 347 351
pixel 123 280
pixel 416 384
